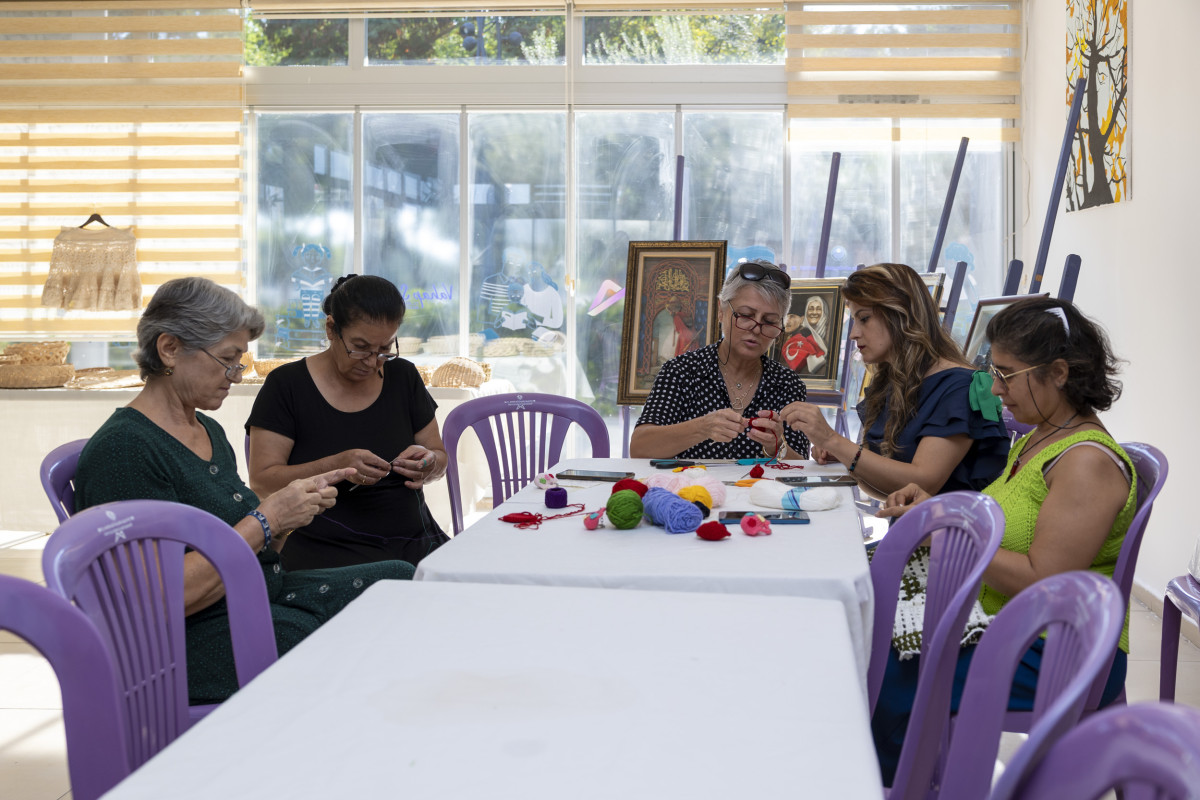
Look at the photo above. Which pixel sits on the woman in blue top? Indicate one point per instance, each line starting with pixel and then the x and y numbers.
pixel 927 417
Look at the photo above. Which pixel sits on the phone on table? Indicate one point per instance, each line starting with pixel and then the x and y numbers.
pixel 817 480
pixel 777 517
pixel 670 463
pixel 592 475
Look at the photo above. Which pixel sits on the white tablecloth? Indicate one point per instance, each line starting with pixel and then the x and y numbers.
pixel 476 691
pixel 823 559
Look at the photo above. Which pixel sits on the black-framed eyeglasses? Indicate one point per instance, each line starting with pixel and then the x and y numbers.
pixel 365 355
pixel 1004 379
pixel 748 323
pixel 232 371
pixel 753 271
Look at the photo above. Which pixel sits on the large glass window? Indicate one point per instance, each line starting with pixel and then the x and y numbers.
pixel 479 40
pixel 411 221
pixel 518 196
pixel 305 223
pixel 625 172
pixel 297 42
pixel 685 39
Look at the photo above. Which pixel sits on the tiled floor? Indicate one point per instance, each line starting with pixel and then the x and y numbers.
pixel 33 749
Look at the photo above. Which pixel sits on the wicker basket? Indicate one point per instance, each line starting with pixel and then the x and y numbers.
pixel 441 345
pixel 36 376
pixel 9 360
pixel 40 353
pixel 247 361
pixel 263 366
pixel 499 348
pixel 459 372
pixel 426 374
pixel 408 345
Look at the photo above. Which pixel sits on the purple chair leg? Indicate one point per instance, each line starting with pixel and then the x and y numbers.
pixel 1169 664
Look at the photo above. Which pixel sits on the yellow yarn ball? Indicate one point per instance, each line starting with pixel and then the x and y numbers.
pixel 696 493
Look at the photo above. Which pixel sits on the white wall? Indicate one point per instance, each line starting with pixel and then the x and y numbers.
pixel 1139 273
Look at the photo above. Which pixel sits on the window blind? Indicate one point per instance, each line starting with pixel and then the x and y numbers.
pixel 131 109
pixel 905 61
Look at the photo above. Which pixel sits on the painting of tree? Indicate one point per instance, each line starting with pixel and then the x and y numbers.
pixel 1097 50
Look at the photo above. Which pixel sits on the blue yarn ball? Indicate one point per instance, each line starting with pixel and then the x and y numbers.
pixel 671 512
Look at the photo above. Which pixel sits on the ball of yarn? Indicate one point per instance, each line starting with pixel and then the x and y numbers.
pixel 664 480
pixel 545 480
pixel 712 532
pixel 757 472
pixel 556 497
pixel 672 512
pixel 624 509
pixel 821 498
pixel 768 494
pixel 694 494
pixel 631 485
pixel 715 488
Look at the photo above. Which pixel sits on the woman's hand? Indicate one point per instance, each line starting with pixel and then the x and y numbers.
pixel 900 501
pixel 416 463
pixel 295 505
pixel 722 425
pixel 808 419
pixel 821 455
pixel 767 430
pixel 368 468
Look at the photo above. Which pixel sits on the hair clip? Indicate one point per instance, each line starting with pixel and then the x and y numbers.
pixel 1062 315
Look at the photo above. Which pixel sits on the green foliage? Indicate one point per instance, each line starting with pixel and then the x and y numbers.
pixel 259 52
pixel 701 39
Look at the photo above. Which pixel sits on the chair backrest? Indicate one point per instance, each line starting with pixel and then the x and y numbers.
pixel 522 435
pixel 58 477
pixel 965 529
pixel 1151 467
pixel 1149 750
pixel 97 757
pixel 1082 614
pixel 122 564
pixel 1015 429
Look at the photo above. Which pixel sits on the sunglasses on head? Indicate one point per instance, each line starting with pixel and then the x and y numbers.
pixel 753 271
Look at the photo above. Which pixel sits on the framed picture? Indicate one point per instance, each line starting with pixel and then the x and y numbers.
pixel 670 308
pixel 811 344
pixel 934 281
pixel 978 347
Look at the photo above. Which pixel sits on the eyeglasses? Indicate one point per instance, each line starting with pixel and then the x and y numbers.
pixel 753 271
pixel 748 323
pixel 1004 379
pixel 232 371
pixel 365 355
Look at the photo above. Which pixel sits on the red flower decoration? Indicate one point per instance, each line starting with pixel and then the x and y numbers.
pixel 712 531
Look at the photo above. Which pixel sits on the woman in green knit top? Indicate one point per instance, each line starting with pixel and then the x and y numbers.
pixel 1068 490
pixel 161 447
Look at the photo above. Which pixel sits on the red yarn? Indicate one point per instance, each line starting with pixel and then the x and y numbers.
pixel 712 531
pixel 528 519
pixel 757 471
pixel 632 485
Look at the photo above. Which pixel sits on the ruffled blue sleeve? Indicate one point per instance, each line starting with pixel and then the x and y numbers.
pixel 946 411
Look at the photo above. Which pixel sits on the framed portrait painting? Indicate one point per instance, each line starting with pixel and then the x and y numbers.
pixel 670 309
pixel 978 348
pixel 811 343
pixel 934 281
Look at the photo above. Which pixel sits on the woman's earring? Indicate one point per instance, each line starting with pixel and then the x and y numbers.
pixel 169 371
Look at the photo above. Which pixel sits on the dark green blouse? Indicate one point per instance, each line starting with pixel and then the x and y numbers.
pixel 131 458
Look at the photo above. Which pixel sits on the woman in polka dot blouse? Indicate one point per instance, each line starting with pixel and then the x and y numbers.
pixel 160 447
pixel 725 400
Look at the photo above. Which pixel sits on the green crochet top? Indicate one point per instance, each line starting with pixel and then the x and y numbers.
pixel 1021 498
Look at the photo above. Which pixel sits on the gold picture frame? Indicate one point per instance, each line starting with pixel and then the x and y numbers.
pixel 670 308
pixel 813 332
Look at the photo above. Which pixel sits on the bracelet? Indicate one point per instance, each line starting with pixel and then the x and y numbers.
pixel 854 463
pixel 266 526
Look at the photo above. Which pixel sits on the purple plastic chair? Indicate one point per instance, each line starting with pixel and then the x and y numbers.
pixel 1149 750
pixel 58 475
pixel 1081 614
pixel 966 528
pixel 521 434
pixel 1015 429
pixel 122 564
pixel 1151 467
pixel 96 754
pixel 1183 597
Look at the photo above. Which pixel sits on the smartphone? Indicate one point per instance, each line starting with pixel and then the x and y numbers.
pixel 592 475
pixel 777 517
pixel 670 463
pixel 817 480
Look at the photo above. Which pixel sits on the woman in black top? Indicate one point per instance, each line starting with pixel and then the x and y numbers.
pixel 353 405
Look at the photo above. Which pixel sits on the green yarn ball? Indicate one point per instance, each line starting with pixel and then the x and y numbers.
pixel 624 509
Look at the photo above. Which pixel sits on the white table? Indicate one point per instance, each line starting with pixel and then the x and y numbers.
pixel 824 559
pixel 422 690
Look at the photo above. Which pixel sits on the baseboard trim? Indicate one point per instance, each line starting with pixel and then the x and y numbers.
pixel 1154 601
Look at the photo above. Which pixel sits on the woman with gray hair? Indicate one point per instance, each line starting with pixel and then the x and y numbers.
pixel 724 400
pixel 161 447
